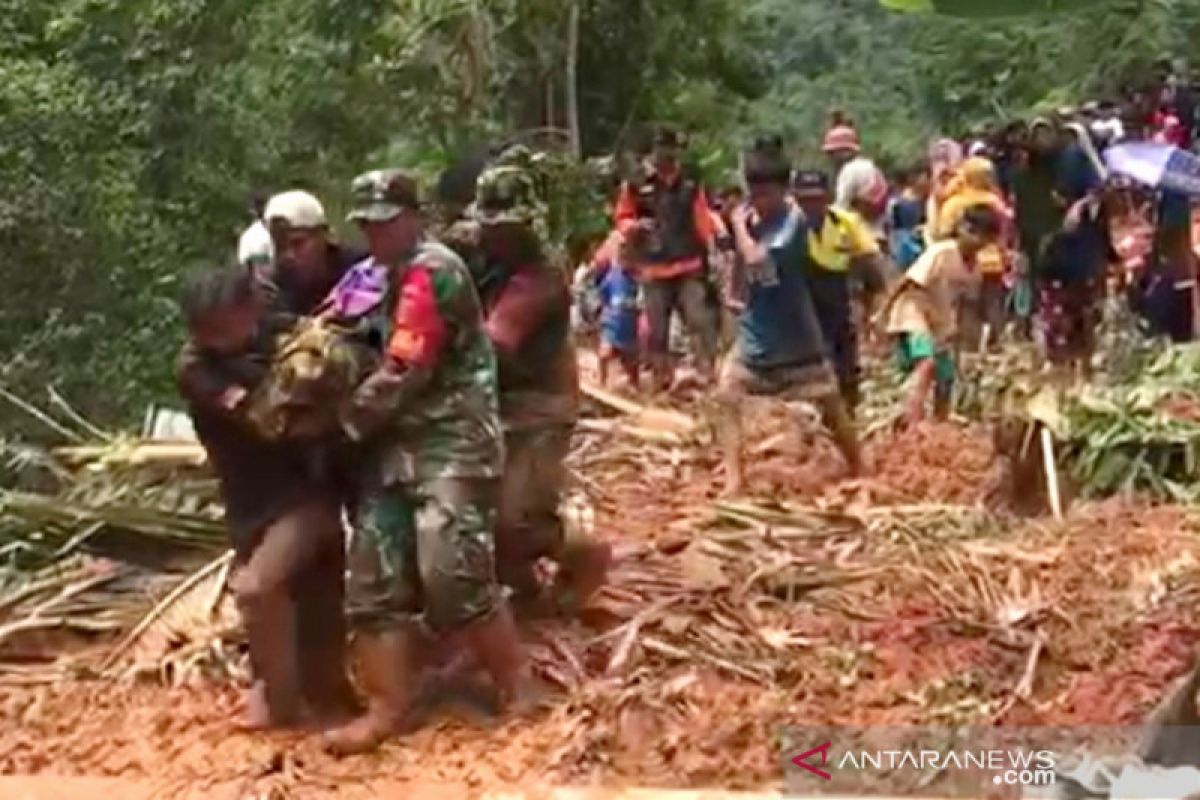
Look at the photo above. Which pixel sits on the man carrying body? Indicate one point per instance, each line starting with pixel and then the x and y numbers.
pixel 283 500
pixel 282 509
pixel 428 421
pixel 309 262
pixel 526 301
pixel 668 213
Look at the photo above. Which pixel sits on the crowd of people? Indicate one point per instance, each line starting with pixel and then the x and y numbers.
pixel 1069 233
pixel 390 424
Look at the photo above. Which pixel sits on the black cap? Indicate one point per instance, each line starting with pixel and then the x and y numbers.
pixel 810 181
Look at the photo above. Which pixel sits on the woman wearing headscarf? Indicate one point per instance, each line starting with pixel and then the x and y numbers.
pixel 976 185
pixel 945 156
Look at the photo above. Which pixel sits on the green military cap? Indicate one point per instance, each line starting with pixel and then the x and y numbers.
pixel 506 194
pixel 382 194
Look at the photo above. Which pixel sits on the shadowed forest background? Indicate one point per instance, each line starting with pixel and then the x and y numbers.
pixel 133 131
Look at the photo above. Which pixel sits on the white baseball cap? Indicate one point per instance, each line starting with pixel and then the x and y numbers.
pixel 295 208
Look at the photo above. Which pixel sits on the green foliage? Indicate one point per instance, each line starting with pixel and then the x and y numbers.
pixel 132 131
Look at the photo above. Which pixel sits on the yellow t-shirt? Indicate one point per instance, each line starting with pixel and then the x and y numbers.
pixel 945 279
pixel 841 238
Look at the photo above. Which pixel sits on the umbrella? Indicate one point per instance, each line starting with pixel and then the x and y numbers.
pixel 1161 166
pixel 989 8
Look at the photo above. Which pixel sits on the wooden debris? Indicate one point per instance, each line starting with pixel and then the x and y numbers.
pixel 136 454
pixel 217 567
pixel 1051 473
pixel 644 417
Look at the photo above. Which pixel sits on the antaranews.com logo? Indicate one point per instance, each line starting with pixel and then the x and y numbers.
pixel 950 762
pixel 1010 767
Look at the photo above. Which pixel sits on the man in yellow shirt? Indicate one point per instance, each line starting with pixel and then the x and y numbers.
pixel 842 251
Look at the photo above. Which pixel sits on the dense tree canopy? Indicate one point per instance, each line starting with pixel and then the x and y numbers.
pixel 132 131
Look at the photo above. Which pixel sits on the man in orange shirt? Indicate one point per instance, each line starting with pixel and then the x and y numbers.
pixel 667 215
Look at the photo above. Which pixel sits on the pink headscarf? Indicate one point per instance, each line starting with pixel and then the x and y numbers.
pixel 944 155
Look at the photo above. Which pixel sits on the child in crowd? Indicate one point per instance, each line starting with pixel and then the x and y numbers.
pixel 923 309
pixel 619 303
pixel 906 218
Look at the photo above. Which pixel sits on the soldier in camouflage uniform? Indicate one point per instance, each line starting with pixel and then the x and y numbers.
pixel 428 418
pixel 527 305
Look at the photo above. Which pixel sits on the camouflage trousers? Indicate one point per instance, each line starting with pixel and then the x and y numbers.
pixel 529 527
pixel 424 548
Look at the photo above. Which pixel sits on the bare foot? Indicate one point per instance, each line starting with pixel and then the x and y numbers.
pixel 363 734
pixel 257 714
pixel 586 570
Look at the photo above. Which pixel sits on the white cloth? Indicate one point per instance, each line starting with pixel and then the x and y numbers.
pixel 1110 131
pixel 255 243
pixel 861 180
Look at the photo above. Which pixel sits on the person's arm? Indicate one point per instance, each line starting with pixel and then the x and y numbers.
pixel 625 214
pixel 868 265
pixel 702 215
pixel 889 301
pixel 420 331
pixel 752 253
pixel 203 385
pixel 948 216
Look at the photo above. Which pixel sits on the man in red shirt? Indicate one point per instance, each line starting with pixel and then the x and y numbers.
pixel 667 214
pixel 526 305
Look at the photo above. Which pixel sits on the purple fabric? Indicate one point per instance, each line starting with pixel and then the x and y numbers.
pixel 359 291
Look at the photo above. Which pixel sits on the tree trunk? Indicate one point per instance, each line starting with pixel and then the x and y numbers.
pixel 572 88
pixel 551 101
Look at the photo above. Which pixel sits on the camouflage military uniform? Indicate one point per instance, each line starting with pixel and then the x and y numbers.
pixel 527 306
pixel 429 420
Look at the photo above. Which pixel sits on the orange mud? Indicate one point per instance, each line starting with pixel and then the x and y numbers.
pixel 1111 605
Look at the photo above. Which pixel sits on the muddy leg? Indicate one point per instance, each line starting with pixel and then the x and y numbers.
pixel 701 323
pixel 461 597
pixel 495 642
pixel 659 296
pixel 516 549
pixel 922 386
pixel 319 593
pixel 387 660
pixel 262 588
pixel 629 362
pixel 729 427
pixel 837 420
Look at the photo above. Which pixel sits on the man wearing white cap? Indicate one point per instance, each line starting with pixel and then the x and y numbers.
pixel 308 262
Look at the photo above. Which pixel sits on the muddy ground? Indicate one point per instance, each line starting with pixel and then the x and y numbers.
pixel 947 610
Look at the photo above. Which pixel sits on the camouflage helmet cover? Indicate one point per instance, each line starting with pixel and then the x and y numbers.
pixel 506 194
pixel 382 194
